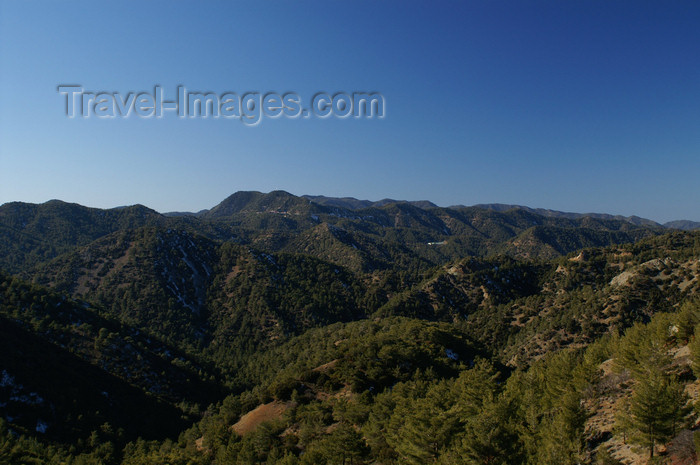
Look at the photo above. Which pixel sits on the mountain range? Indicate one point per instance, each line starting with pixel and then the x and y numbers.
pixel 351 203
pixel 274 328
pixel 283 222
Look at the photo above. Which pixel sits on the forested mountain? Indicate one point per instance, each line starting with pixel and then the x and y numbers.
pixel 282 329
pixel 34 233
pixel 559 214
pixel 683 224
pixel 278 221
pixel 352 203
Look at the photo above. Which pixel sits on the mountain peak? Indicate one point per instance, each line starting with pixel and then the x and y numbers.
pixel 257 202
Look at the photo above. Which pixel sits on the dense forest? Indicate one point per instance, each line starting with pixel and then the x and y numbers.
pixel 275 329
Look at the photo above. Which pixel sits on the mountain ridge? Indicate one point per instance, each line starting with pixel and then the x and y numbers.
pixel 352 203
pixel 279 221
pixel 239 200
pixel 360 323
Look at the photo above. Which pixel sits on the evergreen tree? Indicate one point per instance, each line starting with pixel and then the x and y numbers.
pixel 344 446
pixel 561 438
pixel 657 407
pixel 492 437
pixel 420 430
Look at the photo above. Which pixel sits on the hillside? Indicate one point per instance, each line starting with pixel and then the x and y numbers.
pixel 685 225
pixel 559 214
pixel 77 369
pixel 275 329
pixel 33 233
pixel 279 221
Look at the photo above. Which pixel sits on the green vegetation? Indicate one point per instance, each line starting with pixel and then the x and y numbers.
pixel 275 330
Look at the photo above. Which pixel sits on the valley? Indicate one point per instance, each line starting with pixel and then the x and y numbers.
pixel 274 328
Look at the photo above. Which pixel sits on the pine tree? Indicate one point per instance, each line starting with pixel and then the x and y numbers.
pixel 491 437
pixel 344 446
pixel 657 408
pixel 561 436
pixel 422 429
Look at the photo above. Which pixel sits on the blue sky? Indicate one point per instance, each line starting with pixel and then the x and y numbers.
pixel 578 105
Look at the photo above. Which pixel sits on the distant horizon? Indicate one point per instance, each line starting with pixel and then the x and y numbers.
pixel 360 199
pixel 568 106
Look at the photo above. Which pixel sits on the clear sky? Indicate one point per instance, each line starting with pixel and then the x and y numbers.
pixel 587 106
